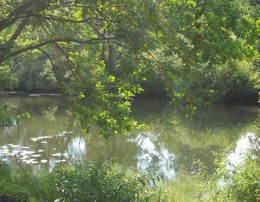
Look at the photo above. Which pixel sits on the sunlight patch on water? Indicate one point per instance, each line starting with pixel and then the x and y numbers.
pixel 18 153
pixel 76 151
pixel 64 133
pixel 41 138
pixel 152 157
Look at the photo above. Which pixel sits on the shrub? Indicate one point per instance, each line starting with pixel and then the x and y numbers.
pixel 93 182
pixel 235 81
pixel 236 184
pixel 245 182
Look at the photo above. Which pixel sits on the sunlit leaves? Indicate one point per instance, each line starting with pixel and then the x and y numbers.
pixel 81 94
pixel 111 78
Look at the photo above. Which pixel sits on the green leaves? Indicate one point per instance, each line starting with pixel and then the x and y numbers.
pixel 241 183
pixel 100 51
pixel 92 182
pixel 5 121
pixel 7 78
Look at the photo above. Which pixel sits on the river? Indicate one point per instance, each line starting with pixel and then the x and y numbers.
pixel 168 144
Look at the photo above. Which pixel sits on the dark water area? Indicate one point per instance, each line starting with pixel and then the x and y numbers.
pixel 169 143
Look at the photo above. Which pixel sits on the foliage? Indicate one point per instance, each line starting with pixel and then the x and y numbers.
pixel 228 184
pixel 237 81
pixel 34 73
pixel 101 183
pixel 233 183
pixel 5 120
pixel 246 185
pixel 7 78
pixel 234 81
pixel 98 182
pixel 184 188
pixel 8 116
pixel 101 52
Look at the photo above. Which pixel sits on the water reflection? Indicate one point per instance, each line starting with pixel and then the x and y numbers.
pixel 247 144
pixel 152 157
pixel 243 146
pixel 77 149
pixel 169 143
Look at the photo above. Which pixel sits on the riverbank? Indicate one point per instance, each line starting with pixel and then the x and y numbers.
pixel 156 95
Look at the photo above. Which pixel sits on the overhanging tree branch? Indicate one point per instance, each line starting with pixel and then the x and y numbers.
pixel 53 41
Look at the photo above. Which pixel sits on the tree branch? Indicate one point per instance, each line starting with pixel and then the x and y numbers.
pixel 53 41
pixel 52 64
pixel 18 31
pixel 13 16
pixel 60 19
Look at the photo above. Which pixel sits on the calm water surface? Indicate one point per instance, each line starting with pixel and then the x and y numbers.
pixel 169 143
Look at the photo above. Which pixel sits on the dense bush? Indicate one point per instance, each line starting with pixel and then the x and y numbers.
pixel 235 81
pixel 97 182
pixel 245 183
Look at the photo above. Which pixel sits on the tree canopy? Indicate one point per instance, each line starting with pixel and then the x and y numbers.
pixel 102 52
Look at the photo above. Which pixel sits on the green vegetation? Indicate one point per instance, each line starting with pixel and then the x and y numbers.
pixel 240 183
pixel 6 77
pixel 98 182
pixel 5 120
pixel 185 188
pixel 101 54
pixel 107 182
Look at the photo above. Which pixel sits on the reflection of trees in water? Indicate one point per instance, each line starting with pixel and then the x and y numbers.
pixel 42 134
pixel 187 156
pixel 188 140
pixel 210 130
pixel 58 132
pixel 153 157
pixel 35 105
pixel 222 116
pixel 116 148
